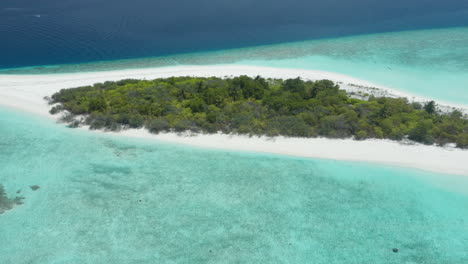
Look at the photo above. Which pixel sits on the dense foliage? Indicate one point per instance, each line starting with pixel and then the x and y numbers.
pixel 256 106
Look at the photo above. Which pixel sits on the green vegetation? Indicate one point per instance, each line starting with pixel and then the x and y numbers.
pixel 256 106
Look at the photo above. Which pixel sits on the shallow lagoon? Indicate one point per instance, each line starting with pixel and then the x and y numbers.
pixel 108 199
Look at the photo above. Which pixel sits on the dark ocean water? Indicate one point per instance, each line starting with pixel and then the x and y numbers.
pixel 40 32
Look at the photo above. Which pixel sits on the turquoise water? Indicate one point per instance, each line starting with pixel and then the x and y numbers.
pixel 105 199
pixel 429 63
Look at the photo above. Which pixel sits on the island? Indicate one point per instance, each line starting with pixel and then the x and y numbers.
pixel 256 106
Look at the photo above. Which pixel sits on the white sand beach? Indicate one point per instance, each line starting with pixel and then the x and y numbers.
pixel 26 92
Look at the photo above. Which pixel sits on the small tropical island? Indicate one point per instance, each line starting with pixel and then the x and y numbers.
pixel 256 106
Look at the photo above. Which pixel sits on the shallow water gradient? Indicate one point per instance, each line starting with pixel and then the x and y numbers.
pixel 427 63
pixel 76 31
pixel 105 199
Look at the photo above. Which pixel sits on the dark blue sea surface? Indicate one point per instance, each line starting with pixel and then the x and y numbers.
pixel 40 32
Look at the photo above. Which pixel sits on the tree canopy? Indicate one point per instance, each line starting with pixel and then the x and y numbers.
pixel 256 106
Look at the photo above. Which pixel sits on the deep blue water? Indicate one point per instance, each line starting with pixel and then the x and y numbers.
pixel 40 32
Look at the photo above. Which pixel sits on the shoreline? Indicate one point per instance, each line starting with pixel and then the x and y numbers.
pixel 432 158
pixel 26 92
pixel 47 84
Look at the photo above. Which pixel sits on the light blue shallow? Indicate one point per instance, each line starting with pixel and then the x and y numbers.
pixel 105 199
pixel 428 63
